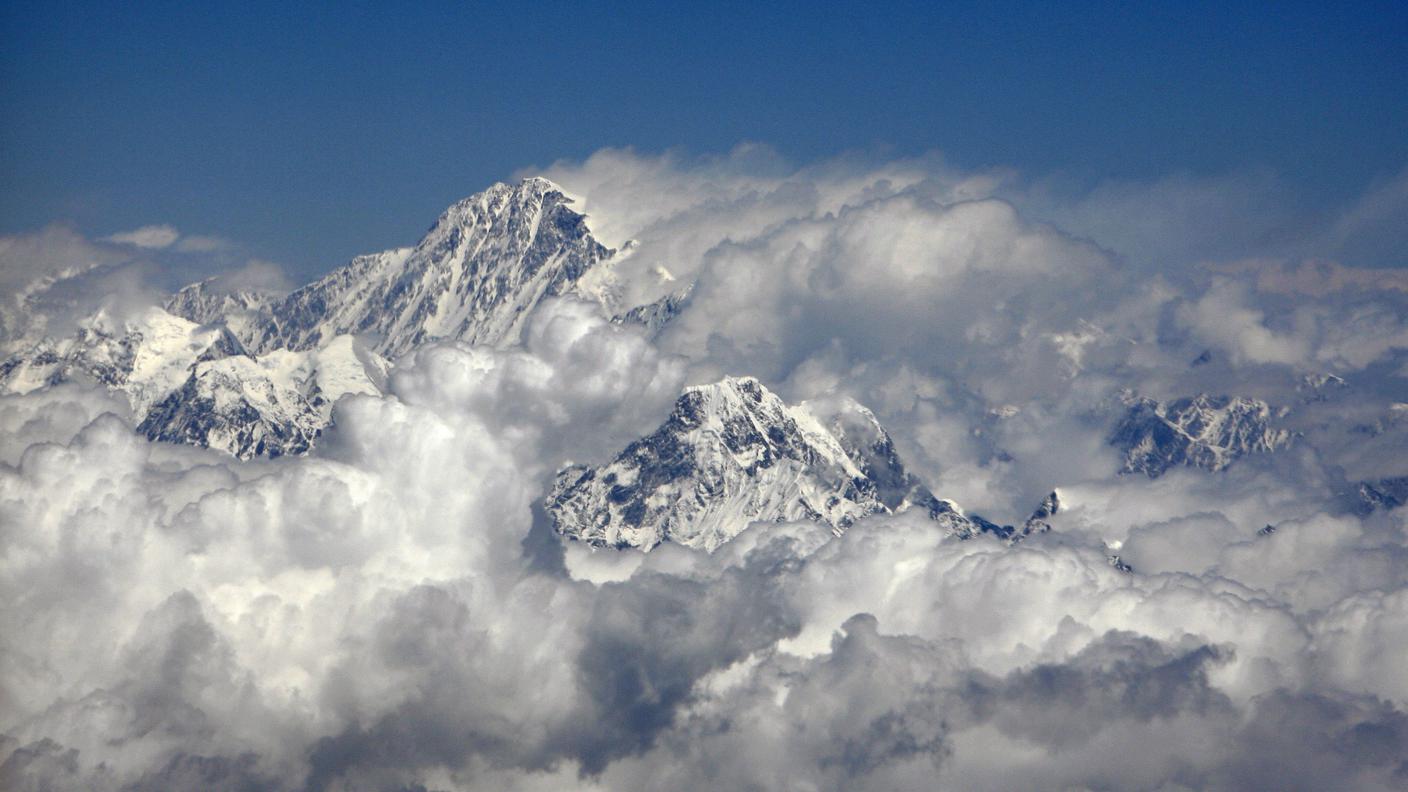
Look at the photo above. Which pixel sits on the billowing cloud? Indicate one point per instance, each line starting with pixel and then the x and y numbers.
pixel 54 279
pixel 393 612
pixel 1221 318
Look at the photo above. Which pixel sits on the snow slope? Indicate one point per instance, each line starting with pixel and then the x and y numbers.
pixel 733 453
pixel 272 405
pixel 145 357
pixel 476 276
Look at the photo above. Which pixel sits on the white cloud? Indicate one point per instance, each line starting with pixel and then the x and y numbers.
pixel 152 237
pixel 388 613
pixel 332 615
pixel 1222 319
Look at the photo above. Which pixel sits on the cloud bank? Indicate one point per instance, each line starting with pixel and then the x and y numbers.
pixel 391 612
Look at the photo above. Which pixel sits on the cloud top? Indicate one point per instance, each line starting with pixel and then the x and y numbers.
pixel 392 611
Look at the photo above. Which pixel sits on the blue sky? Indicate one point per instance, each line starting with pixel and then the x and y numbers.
pixel 311 133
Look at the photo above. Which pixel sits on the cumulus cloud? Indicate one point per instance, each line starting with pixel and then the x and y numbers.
pixel 368 619
pixel 392 611
pixel 1222 318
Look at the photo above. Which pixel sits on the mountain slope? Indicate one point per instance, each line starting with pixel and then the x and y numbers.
pixel 197 384
pixel 475 276
pixel 654 316
pixel 206 303
pixel 249 373
pixel 1387 493
pixel 1207 432
pixel 272 405
pixel 733 453
pixel 144 357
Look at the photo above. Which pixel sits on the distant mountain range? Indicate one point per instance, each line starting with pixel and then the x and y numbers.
pixel 1207 432
pixel 257 374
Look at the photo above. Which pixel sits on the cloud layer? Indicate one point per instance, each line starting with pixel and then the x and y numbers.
pixel 392 613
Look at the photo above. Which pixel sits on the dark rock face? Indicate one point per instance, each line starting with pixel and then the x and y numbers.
pixel 1039 522
pixel 1382 494
pixel 1208 432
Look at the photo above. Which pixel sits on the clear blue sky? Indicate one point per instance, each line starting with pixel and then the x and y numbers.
pixel 310 132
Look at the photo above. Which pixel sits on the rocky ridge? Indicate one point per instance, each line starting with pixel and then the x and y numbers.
pixel 1207 432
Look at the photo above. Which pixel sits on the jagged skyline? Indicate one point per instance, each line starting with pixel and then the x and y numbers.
pixel 1075 460
pixel 308 135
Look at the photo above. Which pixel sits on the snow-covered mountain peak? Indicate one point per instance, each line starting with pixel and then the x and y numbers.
pixel 733 453
pixel 255 371
pixel 475 276
pixel 532 196
pixel 275 404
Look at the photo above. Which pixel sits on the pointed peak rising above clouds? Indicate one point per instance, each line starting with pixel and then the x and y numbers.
pixel 732 453
pixel 531 195
pixel 527 188
pixel 475 276
pixel 423 521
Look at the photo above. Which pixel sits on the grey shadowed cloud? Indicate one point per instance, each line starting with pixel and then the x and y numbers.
pixel 388 613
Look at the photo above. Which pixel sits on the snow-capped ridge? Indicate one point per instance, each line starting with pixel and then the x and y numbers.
pixel 1208 432
pixel 273 405
pixel 732 453
pixel 205 302
pixel 476 276
pixel 145 356
pixel 248 370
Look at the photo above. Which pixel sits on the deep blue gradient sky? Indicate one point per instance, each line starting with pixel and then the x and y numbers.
pixel 314 132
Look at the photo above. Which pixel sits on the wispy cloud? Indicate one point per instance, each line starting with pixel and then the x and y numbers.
pixel 152 237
